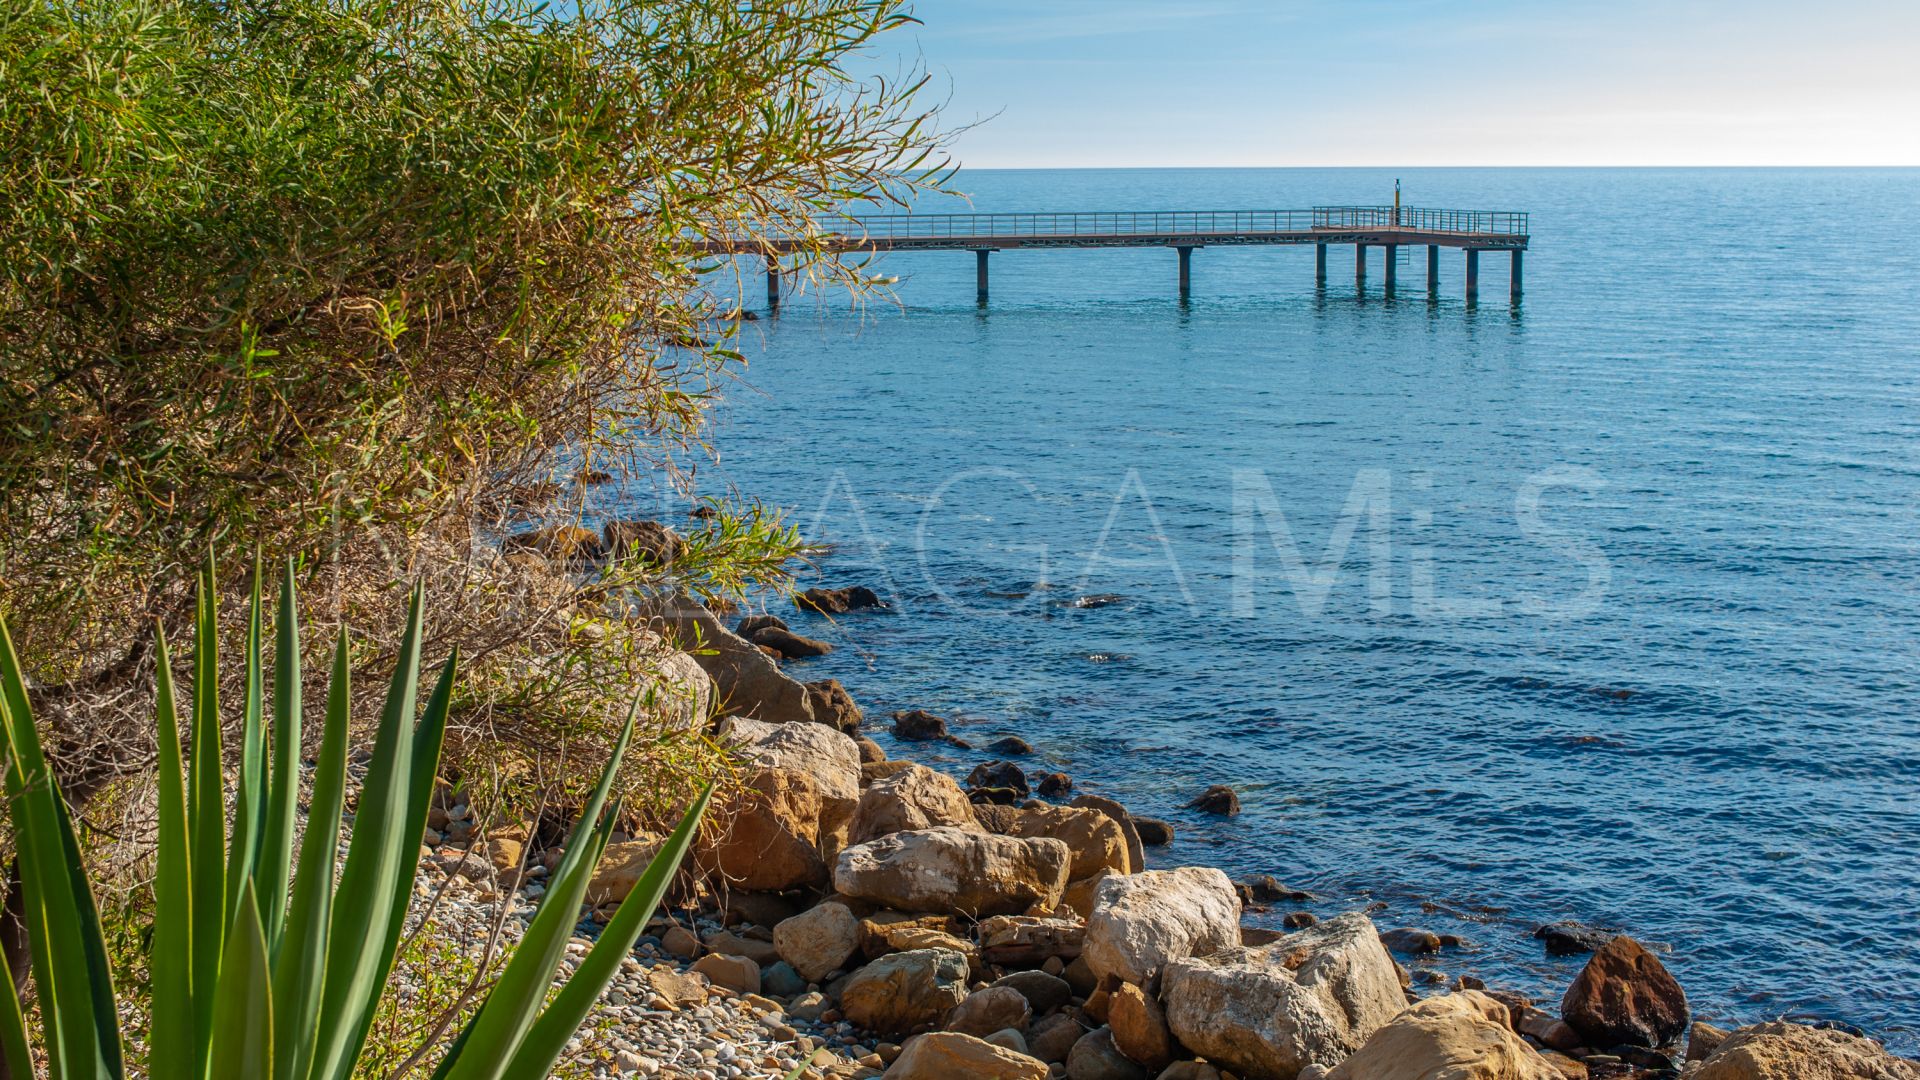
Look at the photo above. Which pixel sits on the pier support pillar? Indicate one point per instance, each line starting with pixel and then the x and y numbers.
pixel 1393 256
pixel 1473 275
pixel 1186 272
pixel 1319 265
pixel 773 285
pixel 1433 271
pixel 980 275
pixel 1513 284
pixel 1359 266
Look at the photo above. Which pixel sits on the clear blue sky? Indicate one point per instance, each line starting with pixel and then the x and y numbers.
pixel 1426 82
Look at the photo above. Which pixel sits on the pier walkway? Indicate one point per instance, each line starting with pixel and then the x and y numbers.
pixel 1389 228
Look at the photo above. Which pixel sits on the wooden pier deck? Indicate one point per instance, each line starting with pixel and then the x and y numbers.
pixel 1388 228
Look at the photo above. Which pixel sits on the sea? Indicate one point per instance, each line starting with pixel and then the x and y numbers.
pixel 1603 606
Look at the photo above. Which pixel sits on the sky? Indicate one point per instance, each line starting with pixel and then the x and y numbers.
pixel 1115 83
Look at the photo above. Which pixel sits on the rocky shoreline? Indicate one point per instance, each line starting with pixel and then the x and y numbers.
pixel 851 915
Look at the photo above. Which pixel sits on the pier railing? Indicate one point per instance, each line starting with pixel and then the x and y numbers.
pixel 1176 223
pixel 1421 219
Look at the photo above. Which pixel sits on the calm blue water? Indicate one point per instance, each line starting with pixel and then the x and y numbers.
pixel 1606 609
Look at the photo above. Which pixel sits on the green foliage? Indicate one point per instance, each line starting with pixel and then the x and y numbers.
pixel 256 972
pixel 298 270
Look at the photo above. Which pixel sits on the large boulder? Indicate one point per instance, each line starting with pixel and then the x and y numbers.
pixel 1141 921
pixel 1784 1051
pixel 949 1055
pixel 1625 996
pixel 1313 997
pixel 913 798
pixel 905 992
pixel 1095 1057
pixel 1095 839
pixel 763 837
pixel 831 758
pixel 954 870
pixel 748 680
pixel 819 940
pixel 1463 1036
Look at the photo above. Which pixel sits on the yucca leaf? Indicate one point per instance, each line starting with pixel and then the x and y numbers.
pixel 495 1032
pixel 378 851
pixel 206 815
pixel 243 1002
pixel 83 1039
pixel 299 969
pixel 283 790
pixel 570 1008
pixel 249 806
pixel 15 1051
pixel 174 1051
pixel 427 739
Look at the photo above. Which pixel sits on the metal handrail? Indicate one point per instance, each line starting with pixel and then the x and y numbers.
pixel 1176 223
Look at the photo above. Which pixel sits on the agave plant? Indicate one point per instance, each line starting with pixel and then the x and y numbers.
pixel 259 971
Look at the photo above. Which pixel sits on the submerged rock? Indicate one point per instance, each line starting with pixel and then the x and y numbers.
pixel 1571 938
pixel 999 776
pixel 1218 799
pixel 919 725
pixel 838 601
pixel 788 644
pixel 1153 831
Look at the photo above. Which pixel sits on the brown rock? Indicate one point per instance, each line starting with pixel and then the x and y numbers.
pixel 1552 1033
pixel 999 776
pixel 915 797
pixel 726 943
pixel 871 752
pixel 996 818
pixel 620 868
pixel 1140 1027
pixel 1624 996
pixel 950 869
pixel 819 940
pixel 1136 851
pixel 748 681
pixel 736 973
pixel 1054 785
pixel 1095 839
pixel 1051 1039
pixel 1218 799
pixel 680 991
pixel 838 601
pixel 1025 941
pixel 1703 1039
pixel 642 541
pixel 1460 1036
pixel 763 837
pixel 1044 992
pixel 1095 1057
pixel 990 1010
pixel 918 725
pixel 1153 831
pixel 1784 1051
pixel 1078 898
pixel 833 706
pixel 568 544
pixel 789 645
pixel 945 1055
pixel 898 994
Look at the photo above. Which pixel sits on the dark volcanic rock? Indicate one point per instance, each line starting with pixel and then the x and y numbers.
pixel 753 624
pixel 833 706
pixel 1218 799
pixel 1572 938
pixel 789 644
pixel 1267 889
pixel 1054 785
pixel 838 601
pixel 1625 996
pixel 918 725
pixel 643 541
pixel 1415 942
pixel 1153 831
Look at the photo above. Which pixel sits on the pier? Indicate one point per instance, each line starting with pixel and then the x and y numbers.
pixel 1391 229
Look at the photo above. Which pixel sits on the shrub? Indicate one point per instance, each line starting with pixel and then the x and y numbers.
pixel 257 970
